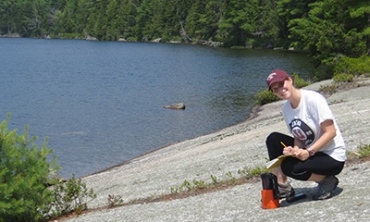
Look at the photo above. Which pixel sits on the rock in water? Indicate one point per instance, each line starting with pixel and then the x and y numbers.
pixel 176 106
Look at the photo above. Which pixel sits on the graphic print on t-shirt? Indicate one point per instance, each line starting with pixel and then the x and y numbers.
pixel 302 131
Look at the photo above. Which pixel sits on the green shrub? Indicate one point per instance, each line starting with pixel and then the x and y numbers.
pixel 256 43
pixel 71 196
pixel 299 82
pixel 131 39
pixel 25 194
pixel 356 66
pixel 323 71
pixel 23 174
pixel 265 97
pixel 68 36
pixel 249 43
pixel 342 77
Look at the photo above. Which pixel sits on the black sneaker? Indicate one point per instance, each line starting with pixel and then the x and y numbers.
pixel 285 190
pixel 326 188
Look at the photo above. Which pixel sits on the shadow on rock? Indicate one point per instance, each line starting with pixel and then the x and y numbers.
pixel 309 193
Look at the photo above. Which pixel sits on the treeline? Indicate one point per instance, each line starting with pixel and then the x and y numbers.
pixel 325 28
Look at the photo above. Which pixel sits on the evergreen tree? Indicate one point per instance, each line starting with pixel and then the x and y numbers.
pixel 211 20
pixel 268 22
pixel 332 28
pixel 193 23
pixel 23 175
pixel 232 28
pixel 10 15
pixel 359 27
pixel 289 10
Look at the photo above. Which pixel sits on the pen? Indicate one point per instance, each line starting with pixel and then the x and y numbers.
pixel 283 144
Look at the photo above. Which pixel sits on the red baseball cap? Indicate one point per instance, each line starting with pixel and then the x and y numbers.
pixel 276 76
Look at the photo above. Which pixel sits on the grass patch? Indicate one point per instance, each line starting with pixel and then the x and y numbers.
pixel 199 186
pixel 253 172
pixel 196 185
pixel 365 151
pixel 362 153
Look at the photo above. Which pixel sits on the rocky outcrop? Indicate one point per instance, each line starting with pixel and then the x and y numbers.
pixel 11 35
pixel 157 40
pixel 210 43
pixel 90 38
pixel 175 41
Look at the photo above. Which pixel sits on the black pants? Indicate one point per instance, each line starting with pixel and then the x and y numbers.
pixel 320 163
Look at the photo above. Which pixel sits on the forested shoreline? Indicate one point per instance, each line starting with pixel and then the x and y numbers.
pixel 327 29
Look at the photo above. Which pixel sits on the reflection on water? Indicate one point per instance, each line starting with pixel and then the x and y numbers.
pixel 101 103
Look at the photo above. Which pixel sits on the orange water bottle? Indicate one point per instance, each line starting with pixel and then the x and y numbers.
pixel 270 192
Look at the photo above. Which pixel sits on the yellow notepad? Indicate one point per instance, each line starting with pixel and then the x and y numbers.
pixel 276 162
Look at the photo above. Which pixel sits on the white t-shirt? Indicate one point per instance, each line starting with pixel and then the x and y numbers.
pixel 304 123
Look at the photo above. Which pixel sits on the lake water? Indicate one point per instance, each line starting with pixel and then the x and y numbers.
pixel 101 103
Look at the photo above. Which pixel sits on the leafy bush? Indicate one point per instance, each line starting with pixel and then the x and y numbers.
pixel 71 196
pixel 323 71
pixel 24 180
pixel 299 82
pixel 356 66
pixel 23 174
pixel 342 78
pixel 249 43
pixel 265 97
pixel 131 39
pixel 68 36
